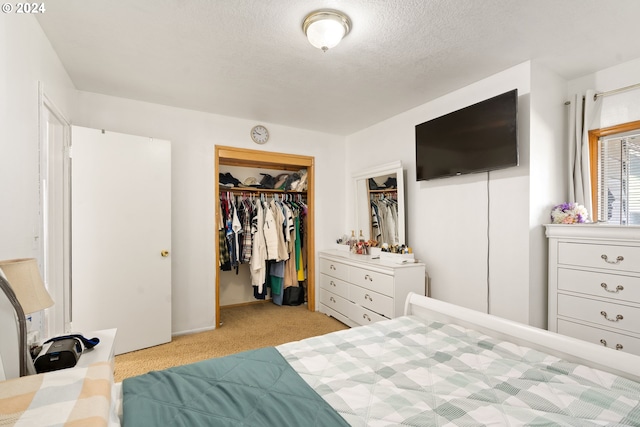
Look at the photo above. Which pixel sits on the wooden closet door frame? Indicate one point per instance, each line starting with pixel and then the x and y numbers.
pixel 243 157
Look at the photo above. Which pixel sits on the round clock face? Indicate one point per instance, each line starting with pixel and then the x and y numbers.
pixel 259 134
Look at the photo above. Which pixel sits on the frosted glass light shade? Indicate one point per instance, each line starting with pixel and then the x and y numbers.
pixel 325 28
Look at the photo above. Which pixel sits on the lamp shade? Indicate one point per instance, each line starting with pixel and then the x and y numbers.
pixel 25 281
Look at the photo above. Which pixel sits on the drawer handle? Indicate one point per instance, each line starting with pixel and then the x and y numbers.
pixel 367 277
pixel 617 261
pixel 618 346
pixel 618 317
pixel 333 267
pixel 333 284
pixel 332 299
pixel 366 316
pixel 367 296
pixel 618 288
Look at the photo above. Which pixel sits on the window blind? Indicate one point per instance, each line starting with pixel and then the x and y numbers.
pixel 619 179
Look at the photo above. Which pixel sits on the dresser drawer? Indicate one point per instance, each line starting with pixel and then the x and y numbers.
pixel 603 313
pixel 613 257
pixel 363 316
pixel 615 286
pixel 334 269
pixel 335 302
pixel 377 282
pixel 598 336
pixel 337 286
pixel 374 301
pixel 339 316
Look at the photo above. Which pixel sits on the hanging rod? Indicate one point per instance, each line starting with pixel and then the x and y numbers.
pixel 611 92
pixel 253 190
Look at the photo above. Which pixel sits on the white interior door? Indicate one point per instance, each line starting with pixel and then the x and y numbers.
pixel 121 228
pixel 55 193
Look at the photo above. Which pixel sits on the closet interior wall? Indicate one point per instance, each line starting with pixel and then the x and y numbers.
pixel 242 163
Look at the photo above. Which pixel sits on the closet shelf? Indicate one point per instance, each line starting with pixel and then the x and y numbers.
pixel 257 190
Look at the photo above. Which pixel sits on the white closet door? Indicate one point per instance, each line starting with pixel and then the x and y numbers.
pixel 121 226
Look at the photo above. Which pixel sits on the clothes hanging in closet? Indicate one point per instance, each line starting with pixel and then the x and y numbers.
pixel 269 236
pixel 384 217
pixel 289 253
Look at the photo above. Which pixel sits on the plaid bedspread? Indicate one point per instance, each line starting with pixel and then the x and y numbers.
pixel 405 371
pixel 69 397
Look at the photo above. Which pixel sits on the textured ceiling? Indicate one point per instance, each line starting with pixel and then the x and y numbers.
pixel 250 58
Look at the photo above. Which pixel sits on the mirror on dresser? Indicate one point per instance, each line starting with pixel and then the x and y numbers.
pixel 376 189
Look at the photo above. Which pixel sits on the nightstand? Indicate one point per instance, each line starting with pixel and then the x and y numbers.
pixel 103 352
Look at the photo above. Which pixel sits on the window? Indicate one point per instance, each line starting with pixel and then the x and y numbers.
pixel 615 173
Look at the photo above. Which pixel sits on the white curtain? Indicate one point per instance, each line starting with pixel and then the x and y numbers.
pixel 582 115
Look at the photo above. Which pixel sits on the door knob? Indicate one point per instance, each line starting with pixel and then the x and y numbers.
pixel 164 253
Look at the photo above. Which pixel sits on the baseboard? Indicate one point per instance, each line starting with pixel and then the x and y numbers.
pixel 192 331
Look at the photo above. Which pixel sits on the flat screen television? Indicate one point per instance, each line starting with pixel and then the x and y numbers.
pixel 478 138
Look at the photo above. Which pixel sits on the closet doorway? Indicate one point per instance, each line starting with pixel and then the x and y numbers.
pixel 257 160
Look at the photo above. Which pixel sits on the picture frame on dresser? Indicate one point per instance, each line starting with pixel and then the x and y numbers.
pixel 594 284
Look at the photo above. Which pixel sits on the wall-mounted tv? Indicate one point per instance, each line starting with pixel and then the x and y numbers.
pixel 478 138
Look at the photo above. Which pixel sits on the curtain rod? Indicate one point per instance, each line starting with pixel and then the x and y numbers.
pixel 614 91
pixel 611 92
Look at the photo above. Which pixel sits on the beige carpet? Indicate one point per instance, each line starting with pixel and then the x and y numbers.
pixel 244 328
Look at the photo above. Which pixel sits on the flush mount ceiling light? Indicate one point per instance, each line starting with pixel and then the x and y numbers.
pixel 325 28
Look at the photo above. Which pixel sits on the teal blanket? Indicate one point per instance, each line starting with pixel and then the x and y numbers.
pixel 253 388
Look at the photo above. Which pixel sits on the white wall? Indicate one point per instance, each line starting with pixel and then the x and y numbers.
pixel 447 218
pixel 26 58
pixel 619 108
pixel 193 136
pixel 548 178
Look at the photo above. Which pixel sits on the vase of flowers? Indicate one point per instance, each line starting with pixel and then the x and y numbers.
pixel 569 213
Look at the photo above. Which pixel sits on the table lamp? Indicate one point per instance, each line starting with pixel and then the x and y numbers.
pixel 21 281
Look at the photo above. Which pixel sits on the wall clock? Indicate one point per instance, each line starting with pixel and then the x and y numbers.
pixel 259 134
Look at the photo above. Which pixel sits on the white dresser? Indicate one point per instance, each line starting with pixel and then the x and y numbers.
pixel 358 290
pixel 594 284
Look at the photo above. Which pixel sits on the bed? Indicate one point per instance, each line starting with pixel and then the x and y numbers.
pixel 438 365
pixel 69 397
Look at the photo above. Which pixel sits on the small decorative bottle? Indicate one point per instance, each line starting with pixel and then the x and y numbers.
pixel 362 250
pixel 353 242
